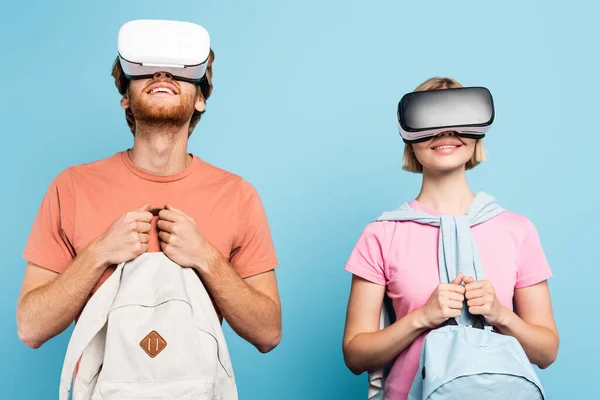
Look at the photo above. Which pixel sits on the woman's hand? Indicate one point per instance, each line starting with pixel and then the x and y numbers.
pixel 482 300
pixel 445 302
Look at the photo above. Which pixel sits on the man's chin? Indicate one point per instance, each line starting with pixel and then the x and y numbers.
pixel 161 106
pixel 163 119
pixel 160 113
pixel 163 114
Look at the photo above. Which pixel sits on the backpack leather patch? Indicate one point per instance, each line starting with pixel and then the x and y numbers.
pixel 153 344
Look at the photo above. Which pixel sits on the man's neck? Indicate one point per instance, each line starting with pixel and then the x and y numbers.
pixel 446 193
pixel 160 151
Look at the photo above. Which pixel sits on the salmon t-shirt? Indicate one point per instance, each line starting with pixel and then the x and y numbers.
pixel 83 201
pixel 404 257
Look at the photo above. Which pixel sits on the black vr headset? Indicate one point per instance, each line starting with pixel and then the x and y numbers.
pixel 469 112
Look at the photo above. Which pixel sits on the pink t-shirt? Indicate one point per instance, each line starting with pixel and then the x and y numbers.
pixel 403 256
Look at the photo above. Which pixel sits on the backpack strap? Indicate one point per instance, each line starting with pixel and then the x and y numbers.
pixel 92 320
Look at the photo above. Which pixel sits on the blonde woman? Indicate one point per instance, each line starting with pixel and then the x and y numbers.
pixel 400 260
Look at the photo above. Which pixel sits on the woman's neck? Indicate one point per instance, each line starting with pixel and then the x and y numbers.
pixel 447 193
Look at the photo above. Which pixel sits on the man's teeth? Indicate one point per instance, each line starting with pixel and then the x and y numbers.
pixel 162 89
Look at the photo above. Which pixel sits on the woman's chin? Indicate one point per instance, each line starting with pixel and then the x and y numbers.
pixel 444 166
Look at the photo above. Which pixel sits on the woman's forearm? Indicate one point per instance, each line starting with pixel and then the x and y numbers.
pixel 540 343
pixel 372 350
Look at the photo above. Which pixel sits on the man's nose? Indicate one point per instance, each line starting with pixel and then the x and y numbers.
pixel 162 74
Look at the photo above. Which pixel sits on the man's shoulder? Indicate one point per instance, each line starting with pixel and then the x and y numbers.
pixel 68 176
pixel 224 177
pixel 97 166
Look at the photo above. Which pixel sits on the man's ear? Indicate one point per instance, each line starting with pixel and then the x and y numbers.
pixel 125 100
pixel 200 104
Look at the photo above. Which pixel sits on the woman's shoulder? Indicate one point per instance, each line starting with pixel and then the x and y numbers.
pixel 381 232
pixel 516 220
pixel 377 228
pixel 517 225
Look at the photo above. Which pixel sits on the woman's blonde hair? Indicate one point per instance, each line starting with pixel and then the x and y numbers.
pixel 409 160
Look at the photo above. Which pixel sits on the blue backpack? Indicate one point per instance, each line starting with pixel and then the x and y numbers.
pixel 474 362
pixel 465 358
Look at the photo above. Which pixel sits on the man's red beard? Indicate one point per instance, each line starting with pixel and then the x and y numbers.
pixel 163 114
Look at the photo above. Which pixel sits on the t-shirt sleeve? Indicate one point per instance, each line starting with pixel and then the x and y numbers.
pixel 367 257
pixel 254 251
pixel 50 240
pixel 532 265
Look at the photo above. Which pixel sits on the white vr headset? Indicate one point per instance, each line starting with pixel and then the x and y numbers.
pixel 469 112
pixel 150 46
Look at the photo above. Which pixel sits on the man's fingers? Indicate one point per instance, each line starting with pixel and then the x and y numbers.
pixel 165 247
pixel 171 208
pixel 144 238
pixel 164 236
pixel 145 207
pixel 143 227
pixel 178 214
pixel 143 216
pixel 164 225
pixel 170 215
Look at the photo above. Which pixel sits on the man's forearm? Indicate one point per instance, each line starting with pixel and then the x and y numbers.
pixel 250 313
pixel 48 310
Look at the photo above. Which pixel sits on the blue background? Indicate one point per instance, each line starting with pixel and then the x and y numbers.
pixel 304 108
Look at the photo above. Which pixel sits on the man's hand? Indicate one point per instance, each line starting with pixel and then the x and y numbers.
pixel 182 242
pixel 482 300
pixel 126 238
pixel 251 306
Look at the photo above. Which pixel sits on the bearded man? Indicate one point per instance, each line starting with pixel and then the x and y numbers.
pixel 153 197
